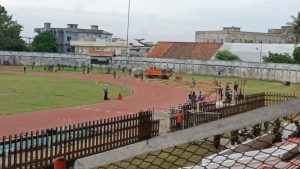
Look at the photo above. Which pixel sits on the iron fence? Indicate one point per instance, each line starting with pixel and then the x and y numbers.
pixel 205 112
pixel 39 149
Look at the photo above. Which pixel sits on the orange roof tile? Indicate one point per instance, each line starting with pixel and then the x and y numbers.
pixel 160 49
pixel 184 50
pixel 102 53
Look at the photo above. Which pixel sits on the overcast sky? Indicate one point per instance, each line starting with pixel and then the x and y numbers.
pixel 154 20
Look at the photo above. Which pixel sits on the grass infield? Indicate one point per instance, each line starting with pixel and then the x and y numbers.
pixel 26 93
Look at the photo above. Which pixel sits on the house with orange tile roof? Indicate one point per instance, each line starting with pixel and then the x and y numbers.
pixel 184 50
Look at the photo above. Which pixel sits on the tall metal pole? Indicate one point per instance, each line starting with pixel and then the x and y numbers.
pixel 260 51
pixel 127 39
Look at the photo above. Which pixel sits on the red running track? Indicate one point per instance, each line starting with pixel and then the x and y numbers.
pixel 146 96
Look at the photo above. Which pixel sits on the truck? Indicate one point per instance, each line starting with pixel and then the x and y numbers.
pixel 158 73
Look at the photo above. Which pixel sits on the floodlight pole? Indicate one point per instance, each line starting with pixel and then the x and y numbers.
pixel 260 51
pixel 127 38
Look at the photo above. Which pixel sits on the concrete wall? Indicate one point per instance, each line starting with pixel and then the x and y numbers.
pixel 261 71
pixel 27 58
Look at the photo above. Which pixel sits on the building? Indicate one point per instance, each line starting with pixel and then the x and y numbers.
pixel 235 35
pixel 139 48
pixel 72 33
pixel 254 52
pixel 184 50
pixel 119 47
pixel 101 57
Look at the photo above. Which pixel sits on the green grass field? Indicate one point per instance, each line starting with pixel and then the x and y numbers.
pixel 251 87
pixel 26 93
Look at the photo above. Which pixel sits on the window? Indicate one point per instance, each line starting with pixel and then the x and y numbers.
pixel 68 38
pixel 69 50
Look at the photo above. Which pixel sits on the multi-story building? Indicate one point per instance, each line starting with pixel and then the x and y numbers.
pixel 72 33
pixel 235 35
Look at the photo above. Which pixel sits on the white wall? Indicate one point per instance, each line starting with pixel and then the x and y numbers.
pixel 254 52
pixel 27 58
pixel 263 71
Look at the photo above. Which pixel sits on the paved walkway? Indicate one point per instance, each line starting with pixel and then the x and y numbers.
pixel 146 96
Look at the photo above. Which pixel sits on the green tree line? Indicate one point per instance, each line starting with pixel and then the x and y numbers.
pixel 11 40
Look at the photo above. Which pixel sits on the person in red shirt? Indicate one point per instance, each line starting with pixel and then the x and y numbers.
pixel 179 120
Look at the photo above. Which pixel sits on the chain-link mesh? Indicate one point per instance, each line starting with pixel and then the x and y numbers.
pixel 272 144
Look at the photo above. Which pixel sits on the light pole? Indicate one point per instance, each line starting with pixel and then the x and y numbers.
pixel 127 38
pixel 260 52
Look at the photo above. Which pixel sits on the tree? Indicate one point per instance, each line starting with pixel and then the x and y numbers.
pixel 278 58
pixel 44 42
pixel 296 55
pixel 296 27
pixel 226 55
pixel 10 30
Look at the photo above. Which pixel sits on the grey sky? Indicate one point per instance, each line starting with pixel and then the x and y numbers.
pixel 154 20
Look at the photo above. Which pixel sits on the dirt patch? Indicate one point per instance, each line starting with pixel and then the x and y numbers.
pixel 6 94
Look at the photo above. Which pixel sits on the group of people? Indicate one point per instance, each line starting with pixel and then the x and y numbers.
pixel 237 136
pixel 193 98
pixel 229 94
pixel 86 69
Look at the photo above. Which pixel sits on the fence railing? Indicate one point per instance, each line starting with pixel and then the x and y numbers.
pixel 273 98
pixel 39 149
pixel 201 113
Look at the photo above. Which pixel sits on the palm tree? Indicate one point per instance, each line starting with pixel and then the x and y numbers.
pixel 296 27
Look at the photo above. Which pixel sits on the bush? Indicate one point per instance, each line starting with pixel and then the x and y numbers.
pixel 278 58
pixel 226 55
pixel 296 55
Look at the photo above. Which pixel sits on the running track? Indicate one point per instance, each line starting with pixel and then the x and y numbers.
pixel 146 96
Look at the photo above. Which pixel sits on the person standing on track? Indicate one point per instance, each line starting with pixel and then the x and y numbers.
pixel 194 100
pixel 105 92
pixel 194 82
pixel 200 97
